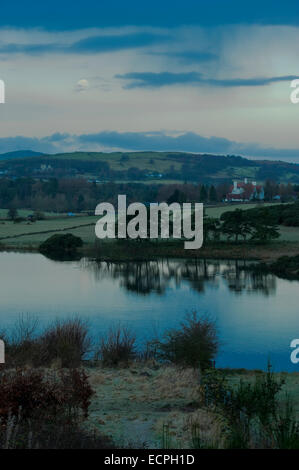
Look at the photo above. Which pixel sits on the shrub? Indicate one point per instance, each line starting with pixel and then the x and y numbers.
pixel 12 213
pixel 38 215
pixel 214 390
pixel 252 410
pixel 35 393
pixel 117 347
pixel 21 346
pixel 195 344
pixel 18 220
pixel 258 399
pixel 67 341
pixel 42 410
pixel 61 245
pixel 284 431
pixel 38 434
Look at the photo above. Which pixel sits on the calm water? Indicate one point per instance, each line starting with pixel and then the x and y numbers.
pixel 257 315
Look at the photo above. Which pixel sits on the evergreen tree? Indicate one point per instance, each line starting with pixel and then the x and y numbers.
pixel 203 195
pixel 212 194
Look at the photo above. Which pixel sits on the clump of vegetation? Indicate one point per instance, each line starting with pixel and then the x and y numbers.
pixel 19 434
pixel 284 432
pixel 61 245
pixel 65 342
pixel 117 347
pixel 38 434
pixel 43 410
pixel 285 267
pixel 195 344
pixel 35 393
pixel 20 342
pixel 38 215
pixel 12 213
pixel 280 214
pixel 249 225
pixel 253 411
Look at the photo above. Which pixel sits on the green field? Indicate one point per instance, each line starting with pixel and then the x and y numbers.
pixel 32 234
pixel 218 211
pixel 27 234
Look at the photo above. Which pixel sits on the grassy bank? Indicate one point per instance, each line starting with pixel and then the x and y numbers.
pixel 112 251
pixel 27 235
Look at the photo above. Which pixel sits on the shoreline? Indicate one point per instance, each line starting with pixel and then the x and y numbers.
pixel 143 252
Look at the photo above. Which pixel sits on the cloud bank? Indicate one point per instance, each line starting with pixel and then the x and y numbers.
pixel 157 80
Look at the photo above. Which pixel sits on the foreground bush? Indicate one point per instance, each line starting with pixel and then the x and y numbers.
pixel 195 344
pixel 20 434
pixel 117 347
pixel 35 393
pixel 21 346
pixel 255 416
pixel 43 410
pixel 65 343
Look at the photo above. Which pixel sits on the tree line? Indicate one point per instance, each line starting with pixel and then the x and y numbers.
pixel 78 194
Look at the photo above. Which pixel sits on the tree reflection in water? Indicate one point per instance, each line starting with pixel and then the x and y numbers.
pixel 146 277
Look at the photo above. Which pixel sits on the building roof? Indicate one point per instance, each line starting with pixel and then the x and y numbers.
pixel 243 190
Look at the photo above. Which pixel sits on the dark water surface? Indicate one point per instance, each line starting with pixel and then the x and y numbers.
pixel 257 315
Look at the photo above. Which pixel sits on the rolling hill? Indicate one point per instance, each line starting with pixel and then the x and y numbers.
pixel 147 166
pixel 19 154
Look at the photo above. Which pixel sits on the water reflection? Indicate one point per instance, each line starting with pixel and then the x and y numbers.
pixel 256 314
pixel 146 277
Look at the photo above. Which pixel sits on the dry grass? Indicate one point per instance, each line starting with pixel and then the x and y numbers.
pixel 187 430
pixel 133 404
pixel 172 383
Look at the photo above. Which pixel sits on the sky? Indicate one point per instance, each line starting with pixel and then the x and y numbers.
pixel 193 75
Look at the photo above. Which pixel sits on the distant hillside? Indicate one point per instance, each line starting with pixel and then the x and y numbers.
pixel 19 154
pixel 147 166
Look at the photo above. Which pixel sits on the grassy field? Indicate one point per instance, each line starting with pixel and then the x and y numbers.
pixel 27 234
pixel 218 211
pixel 289 234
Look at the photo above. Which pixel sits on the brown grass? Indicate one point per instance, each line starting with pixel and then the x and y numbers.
pixel 139 399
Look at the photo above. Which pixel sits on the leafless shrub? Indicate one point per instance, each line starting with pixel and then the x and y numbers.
pixel 194 344
pixel 117 347
pixel 67 341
